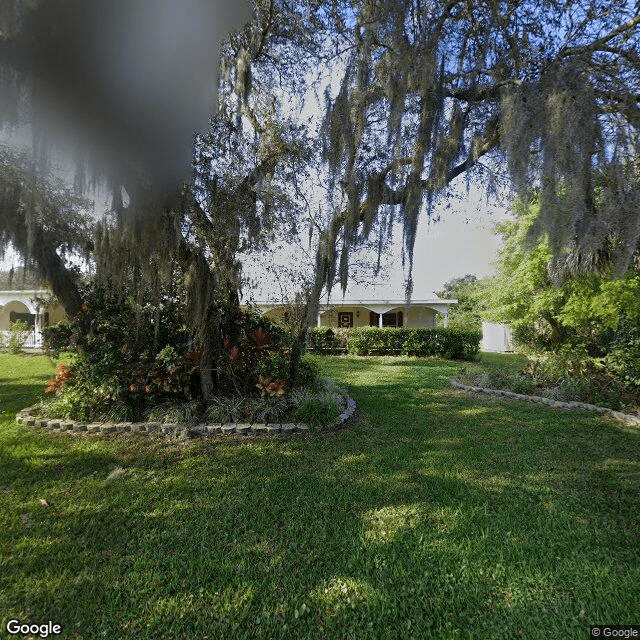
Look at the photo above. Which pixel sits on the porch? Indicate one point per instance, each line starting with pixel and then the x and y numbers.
pixel 372 313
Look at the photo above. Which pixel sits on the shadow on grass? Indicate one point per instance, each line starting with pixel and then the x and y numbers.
pixel 402 532
pixel 437 515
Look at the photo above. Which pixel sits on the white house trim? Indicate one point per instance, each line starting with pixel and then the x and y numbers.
pixel 435 304
pixel 28 297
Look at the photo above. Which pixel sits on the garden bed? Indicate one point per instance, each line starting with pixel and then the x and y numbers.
pixel 563 377
pixel 31 417
pixel 624 418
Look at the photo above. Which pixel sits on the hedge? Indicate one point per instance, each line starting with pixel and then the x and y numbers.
pixel 323 340
pixel 444 342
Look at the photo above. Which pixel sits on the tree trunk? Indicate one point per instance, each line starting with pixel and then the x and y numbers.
pixel 296 354
pixel 558 332
pixel 207 383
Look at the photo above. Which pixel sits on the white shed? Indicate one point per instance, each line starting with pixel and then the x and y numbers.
pixel 496 337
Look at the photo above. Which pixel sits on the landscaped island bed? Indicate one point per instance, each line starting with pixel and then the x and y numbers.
pixel 436 514
pixel 31 418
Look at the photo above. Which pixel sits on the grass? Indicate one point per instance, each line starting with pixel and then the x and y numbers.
pixel 436 515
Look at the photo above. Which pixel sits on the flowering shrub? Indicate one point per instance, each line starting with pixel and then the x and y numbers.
pixel 131 357
pixel 119 359
pixel 253 353
pixel 63 374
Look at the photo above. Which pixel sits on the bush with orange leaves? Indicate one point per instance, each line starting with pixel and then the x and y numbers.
pixel 63 373
pixel 273 388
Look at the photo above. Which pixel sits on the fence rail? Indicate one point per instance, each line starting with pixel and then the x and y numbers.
pixel 33 341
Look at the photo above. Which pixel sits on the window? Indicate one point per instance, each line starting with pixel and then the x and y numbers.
pixel 345 319
pixel 390 319
pixel 29 318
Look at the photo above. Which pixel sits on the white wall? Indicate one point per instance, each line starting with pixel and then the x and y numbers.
pixel 496 337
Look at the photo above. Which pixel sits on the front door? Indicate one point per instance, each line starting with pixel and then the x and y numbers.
pixel 345 319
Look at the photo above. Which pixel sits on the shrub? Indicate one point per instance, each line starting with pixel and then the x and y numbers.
pixel 444 342
pixel 137 355
pixel 250 348
pixel 566 377
pixel 56 339
pixel 369 341
pixel 624 359
pixel 128 356
pixel 308 372
pixel 568 361
pixel 447 342
pixel 18 334
pixel 327 341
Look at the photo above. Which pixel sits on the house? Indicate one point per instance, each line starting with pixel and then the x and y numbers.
pixel 371 313
pixel 29 305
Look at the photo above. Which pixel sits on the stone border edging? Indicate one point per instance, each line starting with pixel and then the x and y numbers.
pixel 29 418
pixel 624 418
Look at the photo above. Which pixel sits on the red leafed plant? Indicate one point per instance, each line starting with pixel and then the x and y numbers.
pixel 276 388
pixel 259 337
pixel 63 373
pixel 273 388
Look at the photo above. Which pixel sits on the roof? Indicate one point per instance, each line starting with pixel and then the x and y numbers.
pixel 377 306
pixel 398 302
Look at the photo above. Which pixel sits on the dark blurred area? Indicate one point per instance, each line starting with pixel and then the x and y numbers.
pixel 125 83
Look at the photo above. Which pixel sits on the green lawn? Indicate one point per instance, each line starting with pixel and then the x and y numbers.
pixel 436 515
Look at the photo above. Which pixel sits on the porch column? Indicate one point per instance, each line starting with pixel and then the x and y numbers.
pixel 446 317
pixel 319 324
pixel 37 328
pixel 380 320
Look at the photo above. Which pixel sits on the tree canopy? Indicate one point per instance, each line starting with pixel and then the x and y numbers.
pixel 591 309
pixel 433 90
pixel 467 312
pixel 413 95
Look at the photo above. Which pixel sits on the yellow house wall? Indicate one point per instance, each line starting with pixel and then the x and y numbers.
pixel 420 317
pixel 56 314
pixel 5 313
pixel 275 315
pixel 415 318
pixel 330 318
